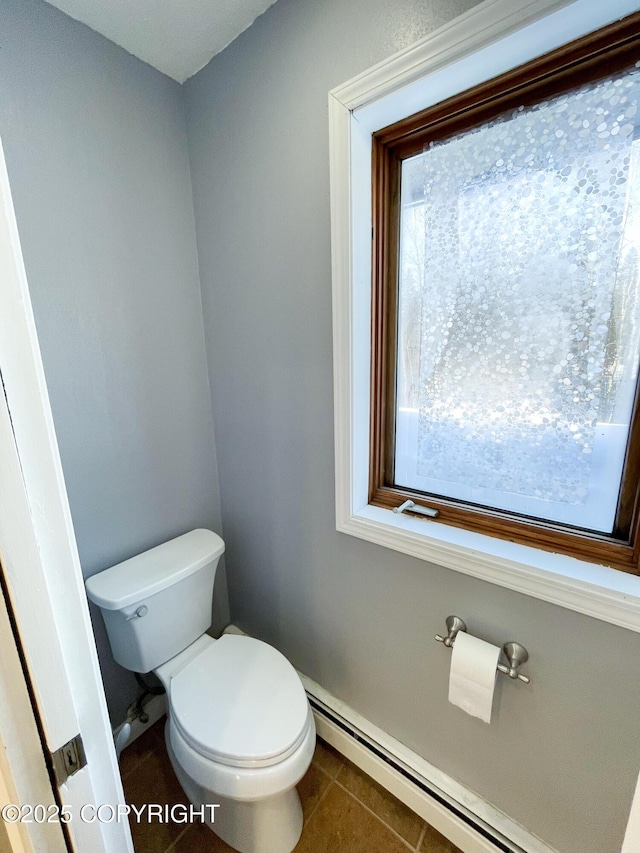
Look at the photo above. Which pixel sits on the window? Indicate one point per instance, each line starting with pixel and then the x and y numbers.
pixel 553 559
pixel 506 304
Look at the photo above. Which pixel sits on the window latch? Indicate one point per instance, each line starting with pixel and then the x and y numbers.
pixel 414 507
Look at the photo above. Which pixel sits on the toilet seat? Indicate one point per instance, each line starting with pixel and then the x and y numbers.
pixel 240 783
pixel 240 703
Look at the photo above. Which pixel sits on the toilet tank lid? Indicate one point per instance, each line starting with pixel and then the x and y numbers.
pixel 152 571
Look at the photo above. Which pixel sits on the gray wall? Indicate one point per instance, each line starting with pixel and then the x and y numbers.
pixel 562 754
pixel 96 149
pixel 97 157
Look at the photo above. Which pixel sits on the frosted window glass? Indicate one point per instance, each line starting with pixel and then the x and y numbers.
pixel 518 308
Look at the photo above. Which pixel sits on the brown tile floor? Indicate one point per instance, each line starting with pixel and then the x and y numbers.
pixel 344 810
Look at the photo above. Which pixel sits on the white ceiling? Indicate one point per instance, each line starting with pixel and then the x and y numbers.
pixel 178 37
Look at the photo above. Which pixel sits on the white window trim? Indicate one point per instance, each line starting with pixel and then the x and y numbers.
pixel 486 41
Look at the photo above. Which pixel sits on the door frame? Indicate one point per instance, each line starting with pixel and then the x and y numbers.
pixel 40 559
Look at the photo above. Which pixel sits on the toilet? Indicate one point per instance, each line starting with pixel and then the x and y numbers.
pixel 240 733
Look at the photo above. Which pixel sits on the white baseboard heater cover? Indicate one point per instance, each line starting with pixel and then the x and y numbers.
pixel 460 815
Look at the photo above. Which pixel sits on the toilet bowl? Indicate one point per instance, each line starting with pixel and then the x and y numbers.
pixel 240 733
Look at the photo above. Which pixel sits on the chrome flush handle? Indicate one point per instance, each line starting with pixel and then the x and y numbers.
pixel 137 614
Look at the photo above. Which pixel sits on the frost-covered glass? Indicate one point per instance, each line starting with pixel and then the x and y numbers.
pixel 519 308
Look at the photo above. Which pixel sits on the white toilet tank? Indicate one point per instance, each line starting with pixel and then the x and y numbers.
pixel 156 604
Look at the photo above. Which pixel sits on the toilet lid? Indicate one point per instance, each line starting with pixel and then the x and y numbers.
pixel 240 702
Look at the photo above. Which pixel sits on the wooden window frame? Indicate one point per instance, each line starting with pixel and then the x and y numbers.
pixel 604 52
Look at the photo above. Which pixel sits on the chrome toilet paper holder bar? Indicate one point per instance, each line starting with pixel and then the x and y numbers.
pixel 515 653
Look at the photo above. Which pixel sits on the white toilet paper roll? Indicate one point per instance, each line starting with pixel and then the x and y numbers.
pixel 473 674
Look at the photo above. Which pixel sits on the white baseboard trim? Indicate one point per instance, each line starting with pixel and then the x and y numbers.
pixel 451 808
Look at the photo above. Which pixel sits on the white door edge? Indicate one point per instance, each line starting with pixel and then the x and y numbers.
pixel 41 561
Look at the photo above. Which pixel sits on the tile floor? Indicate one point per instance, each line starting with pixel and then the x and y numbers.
pixel 344 810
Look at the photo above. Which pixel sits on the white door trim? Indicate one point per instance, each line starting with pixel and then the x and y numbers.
pixel 41 561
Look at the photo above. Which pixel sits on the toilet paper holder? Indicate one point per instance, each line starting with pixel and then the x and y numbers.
pixel 515 653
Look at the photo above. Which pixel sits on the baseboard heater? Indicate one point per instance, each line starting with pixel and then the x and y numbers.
pixel 453 819
pixel 348 729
